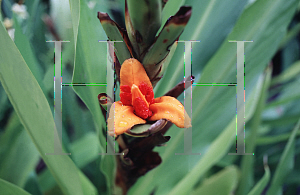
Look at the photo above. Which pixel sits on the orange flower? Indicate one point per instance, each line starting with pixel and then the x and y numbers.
pixel 137 104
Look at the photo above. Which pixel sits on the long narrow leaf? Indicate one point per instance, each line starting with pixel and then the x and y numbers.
pixel 34 113
pixel 9 188
pixel 75 13
pixel 90 67
pixel 210 23
pixel 285 164
pixel 260 186
pixel 226 180
pixel 214 153
pixel 247 177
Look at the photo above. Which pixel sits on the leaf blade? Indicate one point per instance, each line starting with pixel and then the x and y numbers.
pixel 226 180
pixel 9 188
pixel 20 84
pixel 259 187
pixel 285 164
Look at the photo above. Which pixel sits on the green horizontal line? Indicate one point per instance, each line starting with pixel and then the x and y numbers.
pixel 217 83
pixel 84 84
pixel 214 84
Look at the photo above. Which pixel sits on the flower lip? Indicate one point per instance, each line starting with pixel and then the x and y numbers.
pixel 139 103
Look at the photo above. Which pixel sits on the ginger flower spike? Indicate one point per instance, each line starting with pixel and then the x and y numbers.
pixel 137 104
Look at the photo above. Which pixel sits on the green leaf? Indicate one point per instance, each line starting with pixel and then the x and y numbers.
pixel 247 177
pixel 3 102
pixel 25 49
pixel 288 74
pixel 10 135
pixel 215 152
pixel 6 8
pixel 170 9
pixel 34 113
pixel 166 38
pixel 115 33
pixel 217 102
pixel 139 129
pixel 226 180
pixel 144 130
pixel 186 176
pixel 210 23
pixel 90 67
pixel 285 120
pixel 36 31
pixel 290 35
pixel 85 150
pixel 19 161
pixel 275 138
pixel 285 164
pixel 143 19
pixel 7 188
pixel 288 94
pixel 46 180
pixel 33 9
pixel 165 62
pixel 74 115
pixel 260 186
pixel 249 27
pixel 163 65
pixel 32 186
pixel 75 13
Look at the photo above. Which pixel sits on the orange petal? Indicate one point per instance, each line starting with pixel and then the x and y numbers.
pixel 121 119
pixel 170 108
pixel 133 72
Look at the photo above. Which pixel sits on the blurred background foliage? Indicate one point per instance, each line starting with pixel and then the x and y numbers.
pixel 272 79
